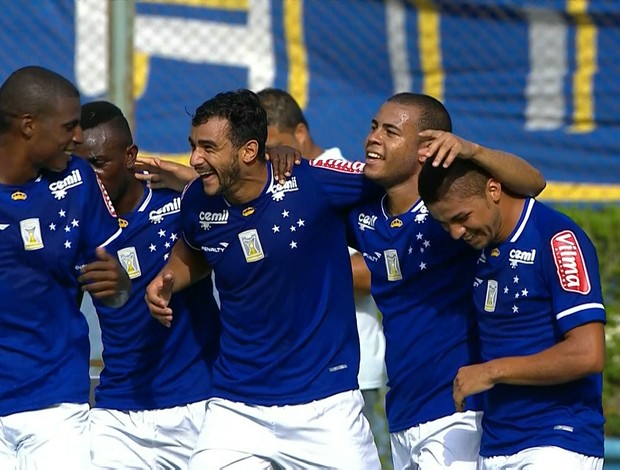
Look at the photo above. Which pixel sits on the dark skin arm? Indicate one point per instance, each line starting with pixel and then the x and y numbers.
pixel 106 280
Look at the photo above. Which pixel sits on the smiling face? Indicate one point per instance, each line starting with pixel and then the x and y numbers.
pixel 214 157
pixel 55 133
pixel 392 145
pixel 474 218
pixel 111 158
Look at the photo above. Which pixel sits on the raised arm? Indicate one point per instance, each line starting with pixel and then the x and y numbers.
pixel 581 353
pixel 184 267
pixel 160 173
pixel 513 172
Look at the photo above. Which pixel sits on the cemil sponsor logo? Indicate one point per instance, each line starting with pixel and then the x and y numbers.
pixel 366 221
pixel 172 207
pixel 569 262
pixel 522 257
pixel 59 188
pixel 19 196
pixel 278 190
pixel 212 218
pixel 343 166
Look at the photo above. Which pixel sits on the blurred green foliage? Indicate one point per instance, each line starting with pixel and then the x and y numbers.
pixel 602 224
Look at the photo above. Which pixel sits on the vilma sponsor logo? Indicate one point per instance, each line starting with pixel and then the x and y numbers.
pixel 172 207
pixel 59 188
pixel 569 263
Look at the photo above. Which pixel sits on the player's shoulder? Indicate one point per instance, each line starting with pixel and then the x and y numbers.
pixel 332 159
pixel 549 221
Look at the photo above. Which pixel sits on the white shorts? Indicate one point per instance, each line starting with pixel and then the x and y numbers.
pixel 329 433
pixel 47 439
pixel 542 458
pixel 450 442
pixel 162 438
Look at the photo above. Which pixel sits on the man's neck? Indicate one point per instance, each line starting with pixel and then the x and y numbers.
pixel 401 197
pixel 510 209
pixel 130 199
pixel 14 167
pixel 249 186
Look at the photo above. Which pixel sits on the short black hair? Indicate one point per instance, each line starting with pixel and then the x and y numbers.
pixel 283 112
pixel 433 114
pixel 32 90
pixel 246 117
pixel 98 113
pixel 462 176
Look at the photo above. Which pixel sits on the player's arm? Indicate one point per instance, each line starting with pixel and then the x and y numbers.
pixel 579 354
pixel 160 173
pixel 185 266
pixel 361 274
pixel 283 158
pixel 513 172
pixel 106 280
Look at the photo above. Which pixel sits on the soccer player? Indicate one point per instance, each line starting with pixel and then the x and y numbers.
pixel 151 400
pixel 541 317
pixel 55 220
pixel 420 281
pixel 288 126
pixel 285 381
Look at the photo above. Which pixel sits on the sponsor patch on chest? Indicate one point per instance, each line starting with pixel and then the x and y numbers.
pixel 569 263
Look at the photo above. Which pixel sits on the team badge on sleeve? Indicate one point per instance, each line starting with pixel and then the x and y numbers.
pixel 128 258
pixel 392 265
pixel 343 166
pixel 569 263
pixel 252 248
pixel 31 234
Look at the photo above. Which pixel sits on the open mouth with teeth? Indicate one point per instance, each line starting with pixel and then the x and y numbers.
pixel 373 156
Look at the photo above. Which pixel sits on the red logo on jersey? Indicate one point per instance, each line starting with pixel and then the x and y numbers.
pixel 106 197
pixel 343 166
pixel 569 262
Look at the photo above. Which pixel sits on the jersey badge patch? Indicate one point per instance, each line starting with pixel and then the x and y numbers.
pixel 569 263
pixel 343 166
pixel 248 211
pixel 495 252
pixel 128 258
pixel 396 223
pixel 490 300
pixel 251 245
pixel 19 196
pixel 392 265
pixel 31 234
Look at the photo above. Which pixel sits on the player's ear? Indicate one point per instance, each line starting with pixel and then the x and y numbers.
pixel 131 153
pixel 494 189
pixel 249 151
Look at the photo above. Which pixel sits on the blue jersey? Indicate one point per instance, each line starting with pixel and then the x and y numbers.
pixel 283 273
pixel 48 228
pixel 529 291
pixel 146 365
pixel 420 282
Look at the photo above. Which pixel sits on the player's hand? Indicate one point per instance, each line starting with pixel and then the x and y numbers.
pixel 105 279
pixel 444 147
pixel 157 297
pixel 160 173
pixel 470 380
pixel 282 160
